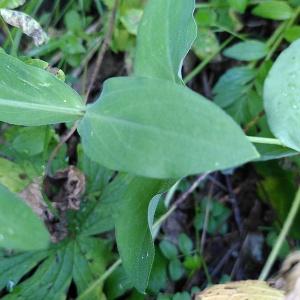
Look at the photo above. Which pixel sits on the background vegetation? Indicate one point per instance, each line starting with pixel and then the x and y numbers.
pixel 210 228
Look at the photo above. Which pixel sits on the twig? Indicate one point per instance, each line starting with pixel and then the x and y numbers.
pixel 99 61
pixel 103 48
pixel 180 200
pixel 58 146
pixel 282 237
pixel 236 211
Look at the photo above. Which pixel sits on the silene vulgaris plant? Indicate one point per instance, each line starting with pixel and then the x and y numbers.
pixel 149 128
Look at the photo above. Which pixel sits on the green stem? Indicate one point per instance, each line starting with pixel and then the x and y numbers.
pixel 282 237
pixel 206 61
pixel 263 140
pixel 100 280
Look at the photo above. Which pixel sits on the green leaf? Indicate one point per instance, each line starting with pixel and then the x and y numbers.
pixel 292 33
pixel 168 249
pixel 165 36
pixel 185 244
pixel 281 97
pixel 30 140
pixel 238 5
pixel 50 281
pixel 206 43
pixel 11 3
pixel 274 10
pixel 133 234
pixel 117 284
pixel 90 259
pixel 131 20
pixel 25 262
pixel 40 96
pixel 233 85
pixel 155 128
pixel 247 51
pixel 13 176
pixel 176 269
pixel 20 228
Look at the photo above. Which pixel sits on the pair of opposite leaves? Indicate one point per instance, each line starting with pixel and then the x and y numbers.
pixel 150 124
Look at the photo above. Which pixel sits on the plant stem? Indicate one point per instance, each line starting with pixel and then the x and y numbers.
pixel 263 140
pixel 283 234
pixel 101 279
pixel 206 61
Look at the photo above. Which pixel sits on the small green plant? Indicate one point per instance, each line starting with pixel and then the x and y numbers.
pixel 150 128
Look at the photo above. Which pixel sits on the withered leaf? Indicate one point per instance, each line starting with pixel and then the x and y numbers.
pixel 241 290
pixel 26 23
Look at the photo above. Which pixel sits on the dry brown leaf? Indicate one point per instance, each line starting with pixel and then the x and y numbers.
pixel 288 278
pixel 241 290
pixel 26 23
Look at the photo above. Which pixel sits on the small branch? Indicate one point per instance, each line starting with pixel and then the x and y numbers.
pixel 206 61
pixel 263 140
pixel 103 49
pixel 180 200
pixel 100 280
pixel 58 147
pixel 236 210
pixel 282 237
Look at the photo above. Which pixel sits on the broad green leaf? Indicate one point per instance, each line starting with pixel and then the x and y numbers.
pixel 13 176
pixel 292 33
pixel 134 238
pixel 30 140
pixel 133 234
pixel 233 85
pixel 281 97
pixel 20 228
pixel 155 128
pixel 11 3
pixel 239 5
pixel 248 50
pixel 31 96
pixel 274 10
pixel 165 36
pixel 51 280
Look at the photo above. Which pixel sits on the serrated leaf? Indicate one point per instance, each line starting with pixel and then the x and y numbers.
pixel 51 279
pixel 152 128
pixel 134 237
pixel 248 51
pixel 25 262
pixel 20 228
pixel 165 36
pixel 42 98
pixel 242 290
pixel 281 97
pixel 274 10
